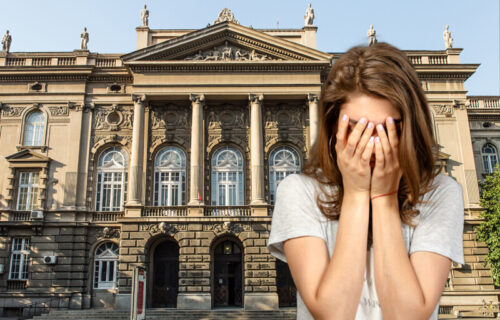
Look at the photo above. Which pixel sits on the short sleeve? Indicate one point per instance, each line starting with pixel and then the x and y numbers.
pixel 294 215
pixel 441 222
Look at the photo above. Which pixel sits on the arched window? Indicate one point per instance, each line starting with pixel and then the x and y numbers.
pixel 227 177
pixel 490 157
pixel 105 266
pixel 111 180
pixel 170 177
pixel 34 129
pixel 283 161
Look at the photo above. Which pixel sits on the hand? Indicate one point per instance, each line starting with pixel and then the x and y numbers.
pixel 386 173
pixel 353 155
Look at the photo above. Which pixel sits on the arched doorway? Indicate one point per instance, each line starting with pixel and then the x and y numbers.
pixel 227 275
pixel 287 292
pixel 165 280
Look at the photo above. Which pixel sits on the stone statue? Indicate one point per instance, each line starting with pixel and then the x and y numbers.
pixel 371 36
pixel 6 41
pixel 309 17
pixel 85 39
pixel 448 40
pixel 145 16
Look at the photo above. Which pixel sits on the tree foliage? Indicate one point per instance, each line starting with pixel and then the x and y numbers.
pixel 489 229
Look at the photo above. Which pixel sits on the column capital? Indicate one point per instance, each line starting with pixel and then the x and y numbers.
pixel 311 97
pixel 197 98
pixel 255 98
pixel 138 98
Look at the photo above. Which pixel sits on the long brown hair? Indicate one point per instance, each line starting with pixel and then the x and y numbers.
pixel 382 71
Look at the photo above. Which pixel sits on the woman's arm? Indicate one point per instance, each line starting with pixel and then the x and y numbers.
pixel 407 287
pixel 331 288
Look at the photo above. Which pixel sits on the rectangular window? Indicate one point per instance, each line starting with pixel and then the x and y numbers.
pixel 27 193
pixel 19 259
pixel 105 274
pixel 109 191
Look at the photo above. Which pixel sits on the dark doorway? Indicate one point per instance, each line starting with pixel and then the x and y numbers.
pixel 227 275
pixel 287 292
pixel 165 275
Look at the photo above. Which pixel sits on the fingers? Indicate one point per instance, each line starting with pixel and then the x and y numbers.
pixel 341 133
pixel 384 141
pixel 364 139
pixel 367 153
pixel 379 154
pixel 353 139
pixel 392 133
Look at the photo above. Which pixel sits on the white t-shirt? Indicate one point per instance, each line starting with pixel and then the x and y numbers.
pixel 439 229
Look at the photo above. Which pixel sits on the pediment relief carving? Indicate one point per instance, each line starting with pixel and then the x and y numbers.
pixel 229 52
pixel 113 119
pixel 171 116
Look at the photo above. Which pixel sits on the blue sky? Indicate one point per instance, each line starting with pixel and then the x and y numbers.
pixel 55 25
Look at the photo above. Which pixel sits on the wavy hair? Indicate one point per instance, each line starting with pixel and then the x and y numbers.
pixel 383 71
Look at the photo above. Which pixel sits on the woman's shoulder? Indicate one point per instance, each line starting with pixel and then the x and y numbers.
pixel 444 185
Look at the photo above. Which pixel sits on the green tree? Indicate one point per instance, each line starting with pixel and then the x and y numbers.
pixel 489 229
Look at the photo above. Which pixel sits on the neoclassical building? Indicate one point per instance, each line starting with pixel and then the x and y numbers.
pixel 168 158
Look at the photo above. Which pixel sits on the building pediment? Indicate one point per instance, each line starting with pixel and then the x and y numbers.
pixel 27 157
pixel 226 42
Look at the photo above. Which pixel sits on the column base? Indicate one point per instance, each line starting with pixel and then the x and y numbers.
pixel 197 301
pixel 261 301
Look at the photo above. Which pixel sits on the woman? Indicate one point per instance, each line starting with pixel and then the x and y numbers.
pixel 370 227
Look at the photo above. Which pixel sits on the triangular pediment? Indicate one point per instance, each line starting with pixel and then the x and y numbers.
pixel 27 156
pixel 226 41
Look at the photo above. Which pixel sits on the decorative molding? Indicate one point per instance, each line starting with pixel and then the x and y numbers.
pixel 59 111
pixel 8 111
pixel 109 233
pixel 443 110
pixel 113 119
pixel 228 227
pixel 222 67
pixel 161 227
pixel 228 52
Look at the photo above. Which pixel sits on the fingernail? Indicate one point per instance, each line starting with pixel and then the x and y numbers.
pixel 380 127
pixel 370 125
pixel 371 139
pixel 362 121
pixel 344 118
pixel 377 139
pixel 390 120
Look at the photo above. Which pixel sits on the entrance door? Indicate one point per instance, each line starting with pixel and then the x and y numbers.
pixel 227 275
pixel 166 275
pixel 287 292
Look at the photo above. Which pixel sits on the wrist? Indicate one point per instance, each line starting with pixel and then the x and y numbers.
pixel 356 195
pixel 385 200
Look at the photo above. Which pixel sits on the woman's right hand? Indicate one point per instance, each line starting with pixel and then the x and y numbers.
pixel 354 151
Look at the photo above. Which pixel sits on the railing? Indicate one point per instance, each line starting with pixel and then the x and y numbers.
pixel 66 61
pixel 14 285
pixel 216 211
pixel 14 62
pixel 37 308
pixel 171 211
pixel 438 59
pixel 105 63
pixel 19 215
pixel 111 216
pixel 484 103
pixel 41 61
pixel 415 59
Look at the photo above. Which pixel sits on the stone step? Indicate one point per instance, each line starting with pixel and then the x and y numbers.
pixel 171 314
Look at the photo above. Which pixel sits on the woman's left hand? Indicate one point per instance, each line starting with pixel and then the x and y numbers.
pixel 386 173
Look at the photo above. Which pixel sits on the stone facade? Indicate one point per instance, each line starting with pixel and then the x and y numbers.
pixel 224 87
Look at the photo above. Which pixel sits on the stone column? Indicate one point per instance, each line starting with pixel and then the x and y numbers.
pixel 256 149
pixel 196 182
pixel 313 117
pixel 136 162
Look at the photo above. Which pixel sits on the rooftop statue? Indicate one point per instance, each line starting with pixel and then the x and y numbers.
pixel 309 17
pixel 145 16
pixel 372 38
pixel 85 39
pixel 6 41
pixel 226 15
pixel 448 40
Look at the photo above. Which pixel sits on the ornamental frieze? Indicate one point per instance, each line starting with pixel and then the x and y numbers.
pixel 229 52
pixel 12 111
pixel 113 119
pixel 284 115
pixel 171 118
pixel 163 227
pixel 108 233
pixel 59 111
pixel 227 226
pixel 443 110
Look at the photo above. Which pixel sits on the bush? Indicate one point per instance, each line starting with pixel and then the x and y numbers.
pixel 489 229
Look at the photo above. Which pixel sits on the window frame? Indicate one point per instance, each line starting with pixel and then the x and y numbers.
pixel 33 190
pixel 102 172
pixel 489 158
pixel 218 172
pixel 24 260
pixel 273 182
pixel 42 124
pixel 97 269
pixel 159 182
